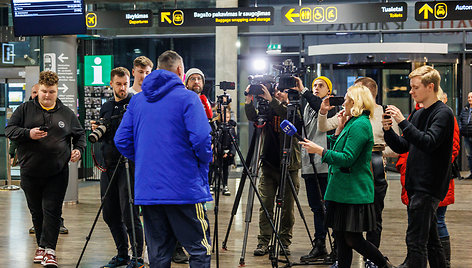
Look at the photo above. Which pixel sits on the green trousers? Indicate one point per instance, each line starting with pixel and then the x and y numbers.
pixel 268 186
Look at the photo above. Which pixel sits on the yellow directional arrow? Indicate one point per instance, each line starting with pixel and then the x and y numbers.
pixel 165 16
pixel 291 15
pixel 426 9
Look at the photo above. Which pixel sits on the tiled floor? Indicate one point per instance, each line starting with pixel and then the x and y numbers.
pixel 18 246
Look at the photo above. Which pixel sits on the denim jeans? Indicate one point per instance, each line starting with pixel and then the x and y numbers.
pixel 314 201
pixel 44 196
pixel 422 237
pixel 442 228
pixel 468 148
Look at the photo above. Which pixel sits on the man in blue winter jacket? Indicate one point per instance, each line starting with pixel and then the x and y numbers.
pixel 166 133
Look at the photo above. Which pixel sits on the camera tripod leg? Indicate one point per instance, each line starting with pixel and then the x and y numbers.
pixel 242 182
pixel 89 236
pixel 254 187
pixel 131 208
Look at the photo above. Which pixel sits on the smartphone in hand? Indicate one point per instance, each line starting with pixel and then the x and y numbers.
pixel 336 101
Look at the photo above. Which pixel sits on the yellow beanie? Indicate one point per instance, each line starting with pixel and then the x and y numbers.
pixel 327 81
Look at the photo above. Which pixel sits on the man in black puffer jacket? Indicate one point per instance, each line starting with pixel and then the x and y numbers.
pixel 45 129
pixel 465 126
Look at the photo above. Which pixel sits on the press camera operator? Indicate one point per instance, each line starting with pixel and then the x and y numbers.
pixel 116 211
pixel 275 111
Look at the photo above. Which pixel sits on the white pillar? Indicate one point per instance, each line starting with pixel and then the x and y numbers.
pixel 226 54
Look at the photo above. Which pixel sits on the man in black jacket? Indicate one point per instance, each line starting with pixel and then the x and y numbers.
pixel 275 112
pixel 465 126
pixel 428 137
pixel 116 210
pixel 45 129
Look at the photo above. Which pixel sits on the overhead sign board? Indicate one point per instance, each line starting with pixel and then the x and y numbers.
pixel 445 10
pixel 216 17
pixel 118 19
pixel 344 13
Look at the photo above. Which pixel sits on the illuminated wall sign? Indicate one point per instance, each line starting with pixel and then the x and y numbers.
pixel 8 53
pixel 446 10
pixel 118 19
pixel 344 13
pixel 216 17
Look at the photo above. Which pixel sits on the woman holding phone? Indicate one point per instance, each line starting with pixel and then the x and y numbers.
pixel 350 190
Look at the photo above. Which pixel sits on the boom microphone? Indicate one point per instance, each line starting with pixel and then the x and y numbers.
pixel 290 129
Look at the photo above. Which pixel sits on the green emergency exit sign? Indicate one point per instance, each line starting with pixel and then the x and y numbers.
pixel 97 70
pixel 274 47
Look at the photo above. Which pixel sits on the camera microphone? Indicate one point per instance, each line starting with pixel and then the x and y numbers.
pixel 289 129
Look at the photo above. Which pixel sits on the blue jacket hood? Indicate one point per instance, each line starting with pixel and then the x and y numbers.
pixel 159 83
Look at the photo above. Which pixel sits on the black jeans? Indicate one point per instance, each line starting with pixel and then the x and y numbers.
pixel 314 201
pixel 422 237
pixel 44 196
pixel 116 211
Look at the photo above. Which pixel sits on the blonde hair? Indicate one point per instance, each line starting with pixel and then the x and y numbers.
pixel 363 100
pixel 428 75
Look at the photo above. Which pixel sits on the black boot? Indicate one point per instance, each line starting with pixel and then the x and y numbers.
pixel 446 244
pixel 317 252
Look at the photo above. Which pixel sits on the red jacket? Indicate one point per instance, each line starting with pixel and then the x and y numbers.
pixel 401 167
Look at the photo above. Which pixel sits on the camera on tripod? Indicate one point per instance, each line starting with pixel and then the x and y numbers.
pixel 287 80
pixel 103 125
pixel 256 82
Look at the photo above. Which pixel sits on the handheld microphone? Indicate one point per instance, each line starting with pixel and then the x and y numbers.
pixel 290 129
pixel 206 105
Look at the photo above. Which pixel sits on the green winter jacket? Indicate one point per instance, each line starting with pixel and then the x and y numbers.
pixel 350 178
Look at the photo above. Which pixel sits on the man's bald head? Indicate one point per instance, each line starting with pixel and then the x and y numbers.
pixel 34 91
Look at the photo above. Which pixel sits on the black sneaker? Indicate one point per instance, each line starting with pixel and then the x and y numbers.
pixel 369 264
pixel 116 261
pixel 136 263
pixel 226 191
pixel 179 256
pixel 261 250
pixel 63 229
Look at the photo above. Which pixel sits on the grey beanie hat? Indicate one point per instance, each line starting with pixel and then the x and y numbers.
pixel 193 71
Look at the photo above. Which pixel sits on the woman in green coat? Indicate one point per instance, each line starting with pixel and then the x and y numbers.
pixel 350 190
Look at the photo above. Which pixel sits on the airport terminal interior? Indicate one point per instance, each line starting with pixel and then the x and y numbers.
pixel 229 40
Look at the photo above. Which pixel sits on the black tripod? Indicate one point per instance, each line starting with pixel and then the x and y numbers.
pixel 292 108
pixel 254 149
pixel 250 172
pixel 130 198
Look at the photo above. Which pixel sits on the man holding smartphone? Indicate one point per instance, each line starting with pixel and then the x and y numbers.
pixel 428 137
pixel 45 130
